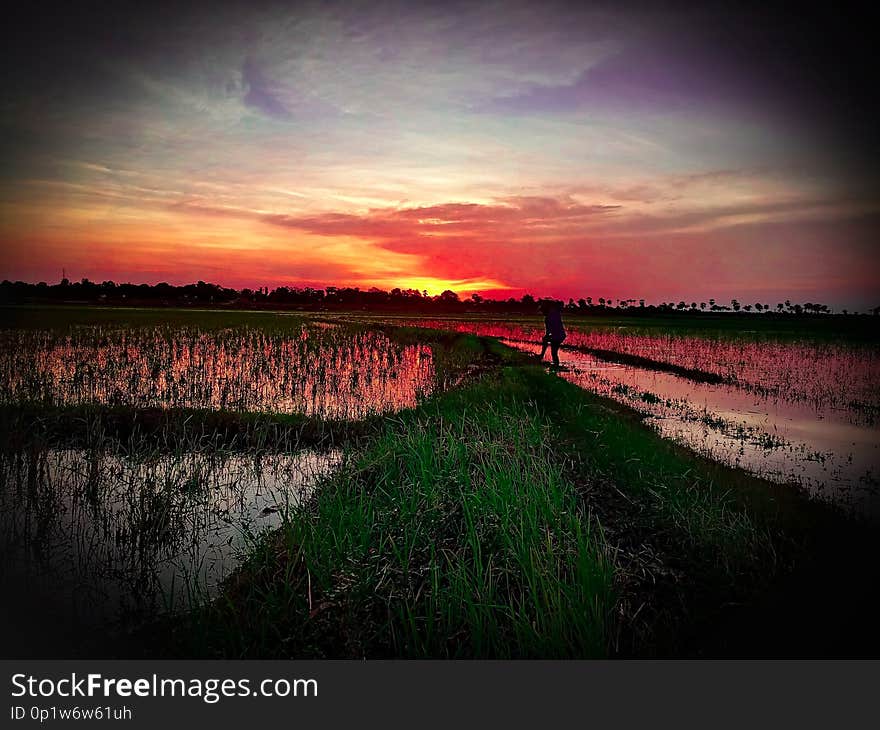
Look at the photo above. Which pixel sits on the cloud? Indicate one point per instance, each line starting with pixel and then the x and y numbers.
pixel 523 213
pixel 259 92
pixel 607 142
pixel 546 218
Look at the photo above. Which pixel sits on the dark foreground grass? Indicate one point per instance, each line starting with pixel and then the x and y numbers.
pixel 510 517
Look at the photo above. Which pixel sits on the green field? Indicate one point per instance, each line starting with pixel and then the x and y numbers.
pixel 857 329
pixel 861 329
pixel 505 513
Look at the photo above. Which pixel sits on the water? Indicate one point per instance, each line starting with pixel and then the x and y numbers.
pixel 97 542
pixel 110 540
pixel 825 375
pixel 829 456
pixel 315 369
pixel 796 413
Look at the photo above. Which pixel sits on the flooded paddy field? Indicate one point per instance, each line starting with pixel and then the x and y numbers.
pixel 111 532
pixel 269 484
pixel 312 369
pixel 798 411
pixel 102 540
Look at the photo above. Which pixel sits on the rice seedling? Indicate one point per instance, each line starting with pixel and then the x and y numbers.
pixel 770 405
pixel 456 501
pixel 825 375
pixel 310 370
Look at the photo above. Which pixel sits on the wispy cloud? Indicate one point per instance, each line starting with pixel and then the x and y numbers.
pixel 522 144
pixel 259 92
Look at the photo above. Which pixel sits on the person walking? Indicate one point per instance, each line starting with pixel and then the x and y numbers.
pixel 555 331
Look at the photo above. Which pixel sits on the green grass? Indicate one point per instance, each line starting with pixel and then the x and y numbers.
pixel 720 514
pixel 470 527
pixel 65 317
pixel 862 329
pixel 457 533
pixel 511 515
pixel 759 327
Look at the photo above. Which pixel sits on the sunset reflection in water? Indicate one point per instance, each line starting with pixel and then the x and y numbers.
pixel 316 371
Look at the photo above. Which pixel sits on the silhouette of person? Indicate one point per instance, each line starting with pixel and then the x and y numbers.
pixel 555 332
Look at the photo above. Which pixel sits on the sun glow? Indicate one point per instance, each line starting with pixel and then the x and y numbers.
pixel 435 286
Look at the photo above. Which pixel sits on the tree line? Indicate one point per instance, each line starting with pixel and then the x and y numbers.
pixel 373 299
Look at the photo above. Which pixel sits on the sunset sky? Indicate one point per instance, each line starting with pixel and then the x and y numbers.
pixel 565 150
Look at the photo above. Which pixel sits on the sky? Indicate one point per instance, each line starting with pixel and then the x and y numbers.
pixel 568 150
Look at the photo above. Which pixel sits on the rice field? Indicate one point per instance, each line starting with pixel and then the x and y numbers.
pixel 313 369
pixel 351 485
pixel 113 531
pixel 825 375
pixel 796 411
pixel 109 535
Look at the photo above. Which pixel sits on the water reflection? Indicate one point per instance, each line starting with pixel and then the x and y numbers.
pixel 779 440
pixel 820 438
pixel 113 538
pixel 826 376
pixel 315 370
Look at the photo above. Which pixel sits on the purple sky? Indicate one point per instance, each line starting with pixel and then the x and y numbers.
pixel 563 149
